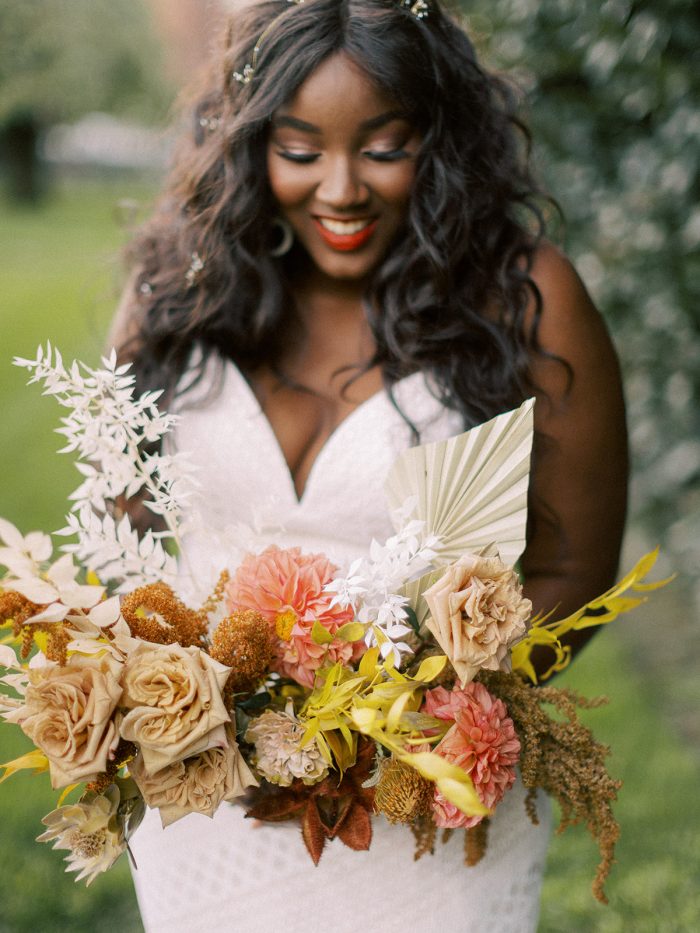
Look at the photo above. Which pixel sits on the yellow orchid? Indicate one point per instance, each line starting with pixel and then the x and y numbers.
pixel 599 611
pixel 383 703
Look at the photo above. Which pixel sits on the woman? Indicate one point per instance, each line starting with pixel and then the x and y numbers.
pixel 349 258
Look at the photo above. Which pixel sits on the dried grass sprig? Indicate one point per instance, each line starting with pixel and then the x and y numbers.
pixel 475 842
pixel 424 832
pixel 561 756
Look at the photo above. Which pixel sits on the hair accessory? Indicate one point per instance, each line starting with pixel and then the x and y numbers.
pixel 246 76
pixel 195 268
pixel 417 8
pixel 210 123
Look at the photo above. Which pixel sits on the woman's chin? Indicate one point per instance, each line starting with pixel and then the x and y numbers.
pixel 345 266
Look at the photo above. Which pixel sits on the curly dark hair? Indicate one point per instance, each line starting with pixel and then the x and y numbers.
pixel 451 295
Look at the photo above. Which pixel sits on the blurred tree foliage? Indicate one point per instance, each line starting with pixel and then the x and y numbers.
pixel 612 100
pixel 60 59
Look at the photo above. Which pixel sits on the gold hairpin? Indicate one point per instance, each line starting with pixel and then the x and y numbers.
pixel 246 76
pixel 195 267
pixel 418 8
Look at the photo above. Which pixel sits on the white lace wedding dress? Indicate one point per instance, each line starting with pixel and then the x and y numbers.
pixel 229 875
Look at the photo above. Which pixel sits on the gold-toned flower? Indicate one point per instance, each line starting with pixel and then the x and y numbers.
pixel 92 830
pixel 68 713
pixel 478 613
pixel 279 756
pixel 174 698
pixel 197 784
pixel 402 793
pixel 154 613
pixel 243 642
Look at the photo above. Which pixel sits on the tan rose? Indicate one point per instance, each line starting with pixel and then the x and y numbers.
pixel 173 695
pixel 478 613
pixel 198 784
pixel 68 714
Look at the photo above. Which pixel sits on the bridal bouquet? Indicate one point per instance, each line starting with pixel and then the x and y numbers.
pixel 401 685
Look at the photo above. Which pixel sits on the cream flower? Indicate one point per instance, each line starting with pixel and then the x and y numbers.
pixel 478 613
pixel 279 756
pixel 173 695
pixel 68 714
pixel 92 830
pixel 197 784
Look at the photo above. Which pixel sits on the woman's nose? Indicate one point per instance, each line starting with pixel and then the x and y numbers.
pixel 341 185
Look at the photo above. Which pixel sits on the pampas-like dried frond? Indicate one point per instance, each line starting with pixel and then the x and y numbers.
pixel 562 757
pixel 475 841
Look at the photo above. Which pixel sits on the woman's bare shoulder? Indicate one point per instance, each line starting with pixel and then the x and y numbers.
pixel 578 353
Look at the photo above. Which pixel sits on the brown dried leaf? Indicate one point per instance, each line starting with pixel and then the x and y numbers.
pixel 356 830
pixel 313 832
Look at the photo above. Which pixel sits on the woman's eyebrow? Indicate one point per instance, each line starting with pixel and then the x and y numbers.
pixel 373 123
pixel 295 124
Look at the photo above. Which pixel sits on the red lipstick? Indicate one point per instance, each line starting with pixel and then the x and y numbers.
pixel 345 242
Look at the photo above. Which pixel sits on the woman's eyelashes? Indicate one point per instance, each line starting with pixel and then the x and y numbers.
pixel 375 155
pixel 302 157
pixel 387 155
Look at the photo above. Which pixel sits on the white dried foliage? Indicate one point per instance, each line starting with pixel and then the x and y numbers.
pixel 106 427
pixel 372 582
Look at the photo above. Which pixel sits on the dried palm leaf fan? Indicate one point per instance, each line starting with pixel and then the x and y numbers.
pixel 471 491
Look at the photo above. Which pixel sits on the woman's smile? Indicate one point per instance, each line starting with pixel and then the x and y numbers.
pixel 346 235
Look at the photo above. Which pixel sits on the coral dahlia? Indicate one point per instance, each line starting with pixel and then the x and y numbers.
pixel 287 588
pixel 482 741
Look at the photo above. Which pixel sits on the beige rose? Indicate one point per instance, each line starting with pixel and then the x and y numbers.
pixel 173 695
pixel 478 613
pixel 68 714
pixel 198 784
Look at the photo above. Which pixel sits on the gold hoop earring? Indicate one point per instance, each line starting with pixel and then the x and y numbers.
pixel 287 237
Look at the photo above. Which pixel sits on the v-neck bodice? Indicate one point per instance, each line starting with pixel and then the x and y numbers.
pixel 249 496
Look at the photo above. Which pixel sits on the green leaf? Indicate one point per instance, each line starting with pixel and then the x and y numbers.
pixel 35 760
pixel 397 708
pixel 368 663
pixel 255 702
pixel 364 719
pixel 430 668
pixel 412 619
pixel 320 635
pixel 351 631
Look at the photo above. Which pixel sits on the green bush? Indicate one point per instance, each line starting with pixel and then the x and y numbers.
pixel 612 96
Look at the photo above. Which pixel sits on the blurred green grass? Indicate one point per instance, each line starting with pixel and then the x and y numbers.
pixel 59 268
pixel 59 271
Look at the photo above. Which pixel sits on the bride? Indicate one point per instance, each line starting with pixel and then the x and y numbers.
pixel 349 258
